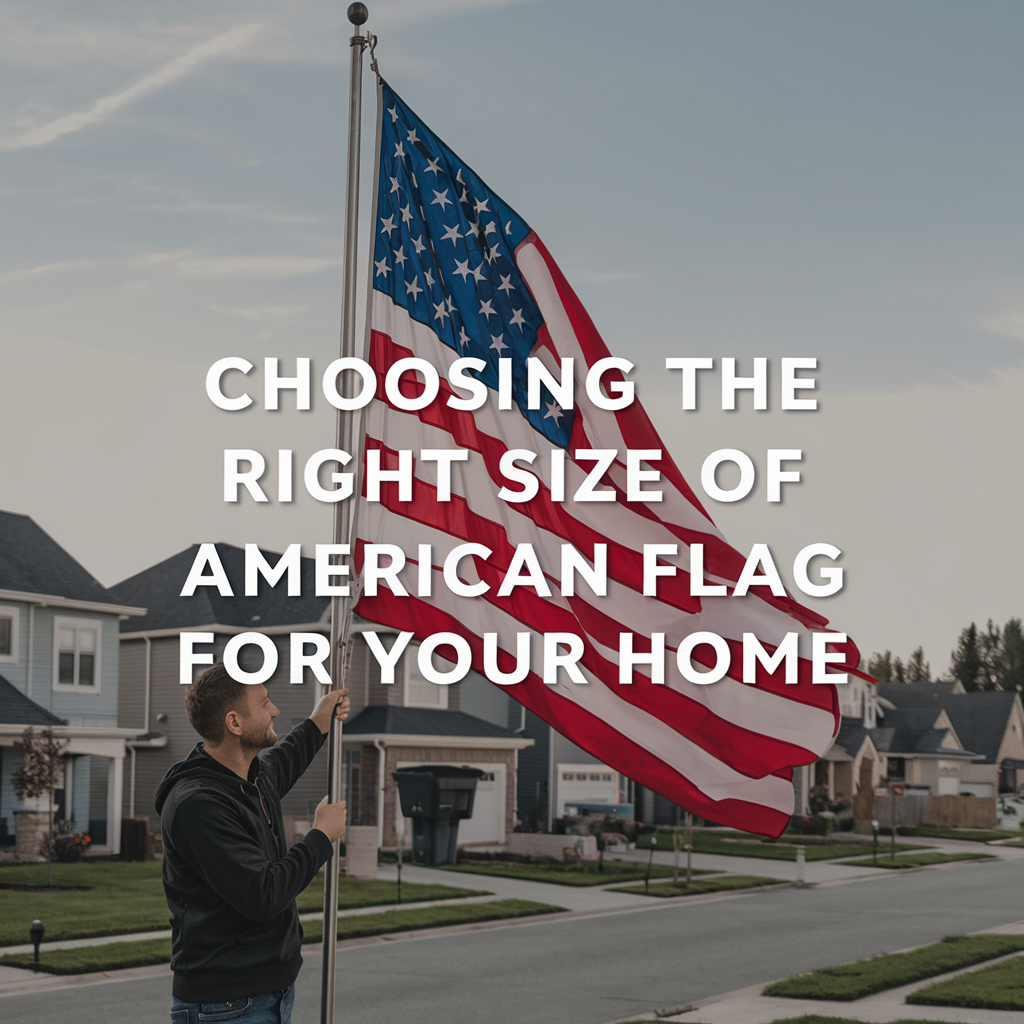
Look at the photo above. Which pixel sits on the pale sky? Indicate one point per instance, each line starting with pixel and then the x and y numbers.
pixel 716 179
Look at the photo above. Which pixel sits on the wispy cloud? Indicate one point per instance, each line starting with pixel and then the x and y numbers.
pixel 47 268
pixel 107 105
pixel 253 266
pixel 262 312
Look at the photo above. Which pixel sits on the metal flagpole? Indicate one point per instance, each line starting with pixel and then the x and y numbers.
pixel 341 607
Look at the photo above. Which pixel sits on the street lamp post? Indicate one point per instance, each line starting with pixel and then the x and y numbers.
pixel 647 877
pixel 36 930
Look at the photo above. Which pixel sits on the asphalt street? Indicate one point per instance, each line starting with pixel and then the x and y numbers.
pixel 597 969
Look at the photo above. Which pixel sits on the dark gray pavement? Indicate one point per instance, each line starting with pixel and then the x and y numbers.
pixel 606 966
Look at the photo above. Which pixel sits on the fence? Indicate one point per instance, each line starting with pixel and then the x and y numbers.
pixel 942 811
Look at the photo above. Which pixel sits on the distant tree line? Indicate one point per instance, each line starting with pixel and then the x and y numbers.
pixel 992 659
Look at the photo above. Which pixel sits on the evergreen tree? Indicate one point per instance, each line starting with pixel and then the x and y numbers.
pixel 990 648
pixel 918 670
pixel 966 661
pixel 880 666
pixel 1010 671
pixel 899 673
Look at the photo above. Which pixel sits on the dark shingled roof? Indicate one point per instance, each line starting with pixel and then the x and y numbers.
pixel 17 709
pixel 401 721
pixel 32 562
pixel 979 719
pixel 915 695
pixel 157 589
pixel 904 733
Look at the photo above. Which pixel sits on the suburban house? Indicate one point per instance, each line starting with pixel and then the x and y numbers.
pixel 411 722
pixel 989 723
pixel 930 739
pixel 59 667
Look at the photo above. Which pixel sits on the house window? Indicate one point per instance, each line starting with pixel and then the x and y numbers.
pixel 76 654
pixel 420 692
pixel 896 768
pixel 9 619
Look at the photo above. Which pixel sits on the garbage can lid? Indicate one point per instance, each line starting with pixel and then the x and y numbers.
pixel 443 771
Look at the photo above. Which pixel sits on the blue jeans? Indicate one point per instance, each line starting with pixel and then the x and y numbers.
pixel 270 1008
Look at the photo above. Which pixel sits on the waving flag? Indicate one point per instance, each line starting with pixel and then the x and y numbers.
pixel 457 272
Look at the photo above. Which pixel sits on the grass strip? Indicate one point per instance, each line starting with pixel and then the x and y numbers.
pixel 916 860
pixel 853 981
pixel 741 844
pixel 129 897
pixel 415 919
pixel 115 956
pixel 558 873
pixel 978 835
pixel 356 892
pixel 999 987
pixel 817 1018
pixel 111 956
pixel 729 882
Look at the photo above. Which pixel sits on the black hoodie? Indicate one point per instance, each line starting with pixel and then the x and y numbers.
pixel 230 879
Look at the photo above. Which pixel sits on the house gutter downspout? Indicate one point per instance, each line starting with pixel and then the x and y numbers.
pixel 381 756
pixel 131 791
pixel 149 679
pixel 31 644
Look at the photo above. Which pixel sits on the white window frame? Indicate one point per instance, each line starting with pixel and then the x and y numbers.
pixel 12 612
pixel 63 622
pixel 411 660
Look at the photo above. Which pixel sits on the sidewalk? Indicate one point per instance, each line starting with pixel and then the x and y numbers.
pixel 748 1006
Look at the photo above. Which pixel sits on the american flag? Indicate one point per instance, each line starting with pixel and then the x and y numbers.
pixel 457 272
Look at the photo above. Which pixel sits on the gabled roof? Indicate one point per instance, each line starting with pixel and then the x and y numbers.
pixel 32 562
pixel 904 734
pixel 17 709
pixel 980 719
pixel 158 588
pixel 400 721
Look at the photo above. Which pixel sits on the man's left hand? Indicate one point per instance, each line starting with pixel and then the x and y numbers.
pixel 333 704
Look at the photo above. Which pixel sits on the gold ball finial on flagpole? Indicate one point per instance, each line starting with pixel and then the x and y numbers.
pixel 357 14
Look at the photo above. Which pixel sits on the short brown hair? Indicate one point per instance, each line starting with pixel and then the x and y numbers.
pixel 210 698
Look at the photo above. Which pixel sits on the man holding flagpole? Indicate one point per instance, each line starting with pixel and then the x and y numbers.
pixel 229 877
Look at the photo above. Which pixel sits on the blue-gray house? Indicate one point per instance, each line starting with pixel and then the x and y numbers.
pixel 59 653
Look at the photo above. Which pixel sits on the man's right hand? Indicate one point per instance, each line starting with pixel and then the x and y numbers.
pixel 330 819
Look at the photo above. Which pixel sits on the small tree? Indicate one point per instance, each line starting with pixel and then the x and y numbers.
pixel 966 661
pixel 42 766
pixel 990 647
pixel 1011 664
pixel 918 670
pixel 880 666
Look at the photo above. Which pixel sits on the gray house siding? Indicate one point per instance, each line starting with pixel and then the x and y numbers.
pixel 16 671
pixel 131 698
pixel 83 706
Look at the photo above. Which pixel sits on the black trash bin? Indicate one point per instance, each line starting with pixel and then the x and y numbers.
pixel 437 797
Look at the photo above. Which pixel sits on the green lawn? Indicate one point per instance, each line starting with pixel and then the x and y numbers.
pixel 979 835
pixel 999 987
pixel 742 844
pixel 117 955
pixel 129 897
pixel 916 860
pixel 584 873
pixel 852 981
pixel 667 889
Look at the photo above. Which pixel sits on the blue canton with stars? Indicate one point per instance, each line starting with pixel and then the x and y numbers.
pixel 443 250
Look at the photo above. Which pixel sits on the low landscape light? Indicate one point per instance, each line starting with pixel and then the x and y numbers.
pixel 36 930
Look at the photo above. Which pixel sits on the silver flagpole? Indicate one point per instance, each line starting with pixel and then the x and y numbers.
pixel 343 516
